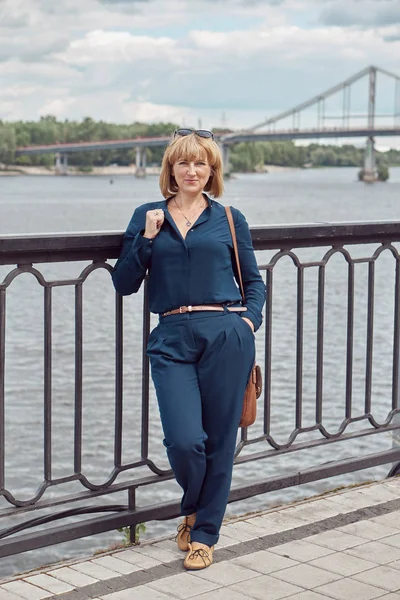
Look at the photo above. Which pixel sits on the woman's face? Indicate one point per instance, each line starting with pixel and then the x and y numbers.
pixel 191 176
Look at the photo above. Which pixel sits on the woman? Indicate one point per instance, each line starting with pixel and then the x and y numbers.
pixel 202 351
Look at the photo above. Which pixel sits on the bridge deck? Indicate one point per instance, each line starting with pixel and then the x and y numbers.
pixel 233 138
pixel 343 545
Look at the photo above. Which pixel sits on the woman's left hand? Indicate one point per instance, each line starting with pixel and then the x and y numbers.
pixel 250 323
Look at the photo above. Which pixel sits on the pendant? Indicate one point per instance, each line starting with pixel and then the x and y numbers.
pixel 188 224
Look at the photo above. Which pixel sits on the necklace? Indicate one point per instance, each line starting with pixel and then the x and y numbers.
pixel 188 219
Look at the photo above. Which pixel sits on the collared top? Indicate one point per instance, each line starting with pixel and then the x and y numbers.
pixel 197 270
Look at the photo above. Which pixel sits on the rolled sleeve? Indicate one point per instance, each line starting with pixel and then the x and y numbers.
pixel 135 258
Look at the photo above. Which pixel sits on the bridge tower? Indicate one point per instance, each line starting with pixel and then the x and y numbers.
pixel 141 160
pixel 61 164
pixel 225 151
pixel 369 172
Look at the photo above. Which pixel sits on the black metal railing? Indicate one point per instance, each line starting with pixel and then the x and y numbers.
pixel 307 248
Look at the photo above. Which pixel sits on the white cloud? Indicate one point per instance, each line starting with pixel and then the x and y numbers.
pixel 181 60
pixel 18 91
pixel 116 46
pixel 57 107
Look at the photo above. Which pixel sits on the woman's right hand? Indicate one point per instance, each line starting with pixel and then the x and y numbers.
pixel 154 221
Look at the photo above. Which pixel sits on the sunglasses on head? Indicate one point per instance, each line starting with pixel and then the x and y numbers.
pixel 204 133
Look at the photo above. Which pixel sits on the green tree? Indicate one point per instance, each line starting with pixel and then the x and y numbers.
pixel 7 144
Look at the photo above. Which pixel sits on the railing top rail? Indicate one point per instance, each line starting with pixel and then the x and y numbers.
pixel 102 245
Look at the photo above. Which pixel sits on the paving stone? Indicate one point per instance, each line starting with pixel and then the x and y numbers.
pixel 225 573
pixel 260 528
pixel 162 556
pixel 380 493
pixel 266 587
pixel 314 511
pixel 224 554
pixel 280 521
pixel 395 564
pixel 353 500
pixel 143 577
pixel 390 597
pixel 183 585
pixel 384 576
pixel 251 546
pixel 25 590
pixel 392 483
pixel 239 533
pixel 72 576
pixel 79 594
pixel 227 554
pixel 350 589
pixel 264 523
pixel 393 540
pixel 165 570
pixel 94 590
pixel 342 563
pixel 264 562
pixel 225 593
pixel 335 540
pixel 142 592
pixel 249 528
pixel 120 567
pixel 306 576
pixel 224 541
pixel 135 558
pixel 368 529
pixel 51 584
pixel 377 552
pixel 308 595
pixel 4 595
pixel 301 551
pixel 171 546
pixel 121 582
pixel 93 570
pixel 391 519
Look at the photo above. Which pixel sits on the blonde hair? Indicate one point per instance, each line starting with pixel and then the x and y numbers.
pixel 192 147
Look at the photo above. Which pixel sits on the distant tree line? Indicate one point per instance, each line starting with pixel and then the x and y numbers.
pixel 252 156
pixel 245 157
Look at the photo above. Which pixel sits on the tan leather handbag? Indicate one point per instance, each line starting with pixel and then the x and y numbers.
pixel 254 385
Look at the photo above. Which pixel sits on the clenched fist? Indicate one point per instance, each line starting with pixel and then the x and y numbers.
pixel 154 221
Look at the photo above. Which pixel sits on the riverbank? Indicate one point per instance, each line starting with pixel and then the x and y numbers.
pixel 17 170
pixel 111 171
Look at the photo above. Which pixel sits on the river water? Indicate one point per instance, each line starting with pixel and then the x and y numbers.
pixel 47 204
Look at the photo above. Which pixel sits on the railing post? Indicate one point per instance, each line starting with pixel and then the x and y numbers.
pixel 396 371
pixel 132 506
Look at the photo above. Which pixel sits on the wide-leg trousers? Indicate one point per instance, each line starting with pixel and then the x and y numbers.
pixel 200 365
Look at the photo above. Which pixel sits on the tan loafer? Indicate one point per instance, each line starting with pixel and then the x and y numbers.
pixel 199 557
pixel 183 536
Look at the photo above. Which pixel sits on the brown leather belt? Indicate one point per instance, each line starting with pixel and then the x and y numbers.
pixel 201 307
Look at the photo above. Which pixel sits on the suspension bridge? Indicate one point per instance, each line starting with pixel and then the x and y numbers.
pixel 286 125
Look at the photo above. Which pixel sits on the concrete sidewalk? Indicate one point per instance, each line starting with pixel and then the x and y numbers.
pixel 343 545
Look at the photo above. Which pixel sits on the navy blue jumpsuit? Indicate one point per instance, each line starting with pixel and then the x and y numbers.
pixel 200 362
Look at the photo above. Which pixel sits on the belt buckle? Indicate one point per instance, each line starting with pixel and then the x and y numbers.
pixel 184 309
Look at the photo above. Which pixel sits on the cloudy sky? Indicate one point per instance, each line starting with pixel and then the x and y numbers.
pixel 230 62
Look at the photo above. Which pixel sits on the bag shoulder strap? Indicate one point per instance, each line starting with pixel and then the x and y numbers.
pixel 235 247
